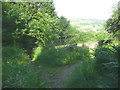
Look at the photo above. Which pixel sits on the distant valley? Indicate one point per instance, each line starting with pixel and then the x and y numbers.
pixel 87 24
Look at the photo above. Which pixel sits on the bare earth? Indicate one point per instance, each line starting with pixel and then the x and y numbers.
pixel 58 77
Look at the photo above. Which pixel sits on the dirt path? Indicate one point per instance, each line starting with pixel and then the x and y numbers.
pixel 58 77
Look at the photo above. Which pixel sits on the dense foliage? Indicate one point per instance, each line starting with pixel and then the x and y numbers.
pixel 34 36
pixel 34 20
pixel 17 70
pixel 36 23
pixel 59 56
pixel 113 23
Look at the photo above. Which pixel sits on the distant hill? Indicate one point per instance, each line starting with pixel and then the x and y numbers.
pixel 79 19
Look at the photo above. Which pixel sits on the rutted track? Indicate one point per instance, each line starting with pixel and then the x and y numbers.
pixel 58 78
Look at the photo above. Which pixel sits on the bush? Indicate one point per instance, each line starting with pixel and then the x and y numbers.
pixel 83 76
pixel 99 72
pixel 76 55
pixel 59 56
pixel 107 64
pixel 17 71
pixel 49 56
pixel 106 58
pixel 14 55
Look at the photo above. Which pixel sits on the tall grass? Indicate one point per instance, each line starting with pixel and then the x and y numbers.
pixel 17 70
pixel 83 76
pixel 59 56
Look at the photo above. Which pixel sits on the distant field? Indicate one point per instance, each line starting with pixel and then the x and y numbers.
pixel 87 24
pixel 93 20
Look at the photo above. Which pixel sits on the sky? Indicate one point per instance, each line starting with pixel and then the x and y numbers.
pixel 87 9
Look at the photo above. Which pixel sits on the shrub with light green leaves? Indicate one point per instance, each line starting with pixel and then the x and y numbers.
pixel 83 76
pixel 17 70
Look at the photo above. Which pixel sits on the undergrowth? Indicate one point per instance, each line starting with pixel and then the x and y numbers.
pixel 59 56
pixel 98 72
pixel 17 70
pixel 83 76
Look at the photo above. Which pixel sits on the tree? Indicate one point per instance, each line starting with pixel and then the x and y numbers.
pixel 33 19
pixel 64 26
pixel 9 16
pixel 35 22
pixel 72 35
pixel 113 23
pixel 29 23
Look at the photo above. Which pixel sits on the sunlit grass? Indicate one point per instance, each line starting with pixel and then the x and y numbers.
pixel 36 53
pixel 60 46
pixel 79 44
